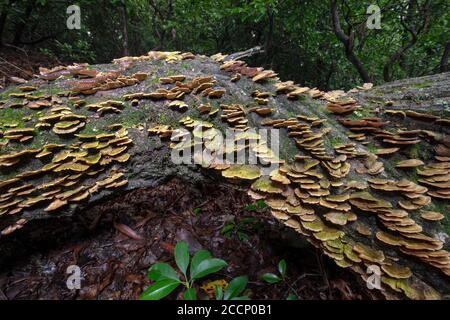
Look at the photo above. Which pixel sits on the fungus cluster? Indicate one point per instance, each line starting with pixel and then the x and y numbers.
pixel 52 175
pixel 241 68
pixel 18 135
pixel 62 121
pixel 67 176
pixel 344 107
pixel 89 81
pixel 235 116
pixel 436 176
pixel 109 106
pixel 328 192
pixel 206 108
pixel 106 81
pixel 169 57
pixel 204 86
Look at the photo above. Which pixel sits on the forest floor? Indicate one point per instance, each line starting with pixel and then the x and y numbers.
pixel 116 242
pixel 18 63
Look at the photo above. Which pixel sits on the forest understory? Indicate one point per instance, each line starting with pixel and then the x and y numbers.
pixel 115 242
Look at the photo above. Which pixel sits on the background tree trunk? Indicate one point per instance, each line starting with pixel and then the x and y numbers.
pixel 348 42
pixel 3 17
pixel 269 39
pixel 409 26
pixel 124 16
pixel 21 25
pixel 444 59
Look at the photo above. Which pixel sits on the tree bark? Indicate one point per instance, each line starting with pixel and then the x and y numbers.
pixel 124 17
pixel 444 59
pixel 348 42
pixel 3 18
pixel 163 15
pixel 21 26
pixel 269 39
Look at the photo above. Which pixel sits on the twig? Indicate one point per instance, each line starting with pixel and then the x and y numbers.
pixel 244 54
pixel 170 205
pixel 13 65
pixel 323 271
pixel 24 52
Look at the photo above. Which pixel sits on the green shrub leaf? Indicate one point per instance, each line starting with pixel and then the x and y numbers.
pixel 161 271
pixel 235 288
pixel 198 257
pixel 271 278
pixel 207 267
pixel 182 256
pixel 218 292
pixel 190 294
pixel 291 296
pixel 282 267
pixel 160 289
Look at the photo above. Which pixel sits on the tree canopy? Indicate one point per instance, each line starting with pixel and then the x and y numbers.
pixel 300 37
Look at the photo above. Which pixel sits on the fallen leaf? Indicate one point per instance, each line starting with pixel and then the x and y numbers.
pixel 126 230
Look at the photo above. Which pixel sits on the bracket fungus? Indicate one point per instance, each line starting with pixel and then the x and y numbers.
pixel 243 172
pixel 329 185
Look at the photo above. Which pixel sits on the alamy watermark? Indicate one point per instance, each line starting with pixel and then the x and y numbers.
pixel 374 280
pixel 74 280
pixel 73 22
pixel 374 19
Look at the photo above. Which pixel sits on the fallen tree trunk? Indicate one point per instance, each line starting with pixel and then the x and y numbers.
pixel 80 135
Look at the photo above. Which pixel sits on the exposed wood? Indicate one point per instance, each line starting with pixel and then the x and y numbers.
pixel 124 16
pixel 244 54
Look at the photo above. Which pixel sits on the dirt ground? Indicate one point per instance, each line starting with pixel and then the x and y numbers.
pixel 116 242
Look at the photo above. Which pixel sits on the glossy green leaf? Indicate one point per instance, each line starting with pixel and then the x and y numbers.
pixel 235 288
pixel 160 289
pixel 161 271
pixel 190 294
pixel 282 267
pixel 291 296
pixel 182 256
pixel 218 292
pixel 227 228
pixel 271 278
pixel 198 257
pixel 207 267
pixel 241 298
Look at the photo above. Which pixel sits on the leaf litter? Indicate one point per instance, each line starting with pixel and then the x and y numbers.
pixel 115 243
